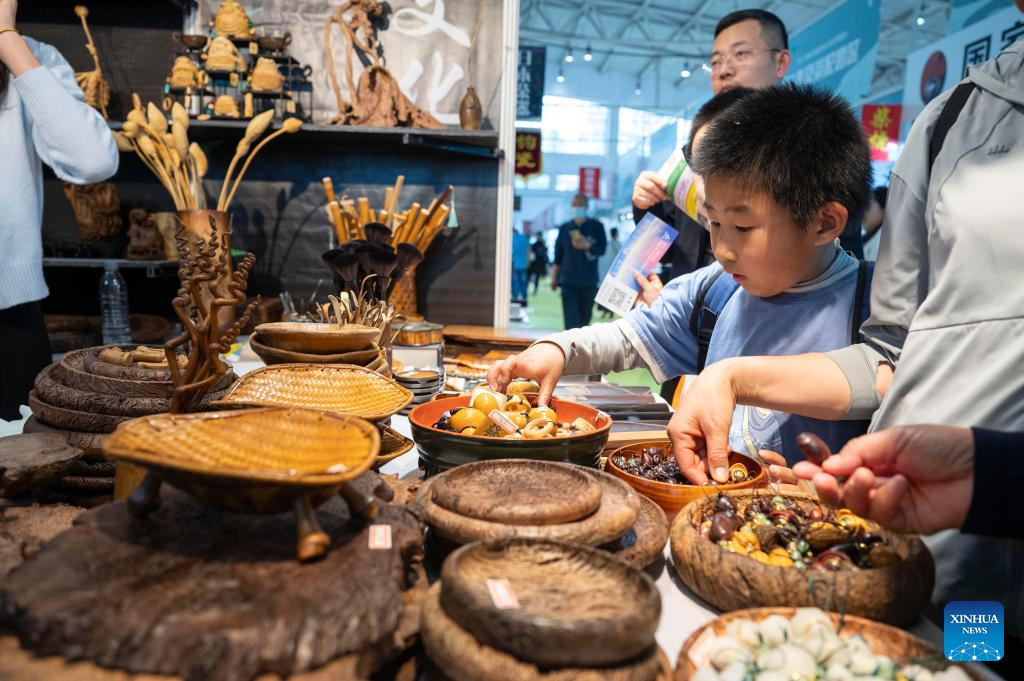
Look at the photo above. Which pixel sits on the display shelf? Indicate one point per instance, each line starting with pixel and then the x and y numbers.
pixel 154 268
pixel 481 143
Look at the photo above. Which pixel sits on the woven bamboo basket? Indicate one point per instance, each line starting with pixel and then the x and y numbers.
pixel 403 298
pixel 463 658
pixel 617 513
pixel 339 388
pixel 392 445
pixel 255 460
pixel 531 492
pixel 896 594
pixel 644 544
pixel 573 605
pixel 318 339
pixel 897 644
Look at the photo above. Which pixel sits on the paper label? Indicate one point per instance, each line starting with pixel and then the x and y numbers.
pixel 380 536
pixel 503 422
pixel 642 252
pixel 502 595
pixel 680 183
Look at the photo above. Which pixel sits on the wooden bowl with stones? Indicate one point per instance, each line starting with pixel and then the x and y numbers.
pixel 551 603
pixel 541 511
pixel 895 594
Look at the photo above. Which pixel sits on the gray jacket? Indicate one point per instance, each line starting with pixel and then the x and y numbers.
pixel 947 304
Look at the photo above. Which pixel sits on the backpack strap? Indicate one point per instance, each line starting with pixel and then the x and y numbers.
pixel 947 117
pixel 861 299
pixel 710 302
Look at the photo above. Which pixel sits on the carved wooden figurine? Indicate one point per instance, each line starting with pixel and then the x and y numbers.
pixel 97 210
pixel 144 240
pixel 232 21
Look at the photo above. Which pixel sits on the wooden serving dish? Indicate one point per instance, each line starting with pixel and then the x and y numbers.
pixel 250 461
pixel 315 338
pixel 896 594
pixel 72 372
pixel 341 388
pixel 616 515
pixel 72 419
pixel 570 605
pixel 897 644
pixel 672 498
pixel 441 450
pixel 643 545
pixel 273 355
pixel 463 658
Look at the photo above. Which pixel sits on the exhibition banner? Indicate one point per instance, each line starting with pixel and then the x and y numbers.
pixel 881 124
pixel 590 182
pixel 838 51
pixel 963 13
pixel 530 83
pixel 936 68
pixel 528 153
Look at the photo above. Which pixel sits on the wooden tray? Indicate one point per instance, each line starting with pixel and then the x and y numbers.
pixel 896 594
pixel 272 355
pixel 643 545
pixel 892 642
pixel 618 512
pixel 99 367
pixel 73 374
pixel 464 658
pixel 572 605
pixel 317 338
pixel 531 492
pixel 340 388
pixel 50 390
pixel 72 419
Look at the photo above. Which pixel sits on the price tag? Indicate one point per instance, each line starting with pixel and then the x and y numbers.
pixel 503 422
pixel 380 536
pixel 502 595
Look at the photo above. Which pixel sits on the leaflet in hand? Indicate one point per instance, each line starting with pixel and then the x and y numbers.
pixel 642 252
pixel 680 183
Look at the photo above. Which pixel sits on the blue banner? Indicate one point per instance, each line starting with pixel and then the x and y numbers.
pixel 838 51
pixel 963 13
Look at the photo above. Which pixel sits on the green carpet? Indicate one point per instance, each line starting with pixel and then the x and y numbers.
pixel 544 311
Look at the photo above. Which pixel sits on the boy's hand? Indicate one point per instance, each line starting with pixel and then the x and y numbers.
pixel 699 429
pixel 778 468
pixel 543 363
pixel 650 288
pixel 648 190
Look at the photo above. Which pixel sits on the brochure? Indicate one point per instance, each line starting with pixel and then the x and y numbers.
pixel 641 254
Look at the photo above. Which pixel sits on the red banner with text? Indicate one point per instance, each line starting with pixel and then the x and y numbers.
pixel 881 124
pixel 590 182
pixel 528 153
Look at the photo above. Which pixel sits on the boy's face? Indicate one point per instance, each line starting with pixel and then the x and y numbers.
pixel 756 240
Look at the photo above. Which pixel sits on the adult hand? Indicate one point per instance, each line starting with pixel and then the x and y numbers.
pixel 699 429
pixel 648 190
pixel 542 363
pixel 650 288
pixel 8 13
pixel 581 243
pixel 909 478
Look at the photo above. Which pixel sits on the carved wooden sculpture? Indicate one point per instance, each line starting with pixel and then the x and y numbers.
pixel 97 210
pixel 93 84
pixel 377 100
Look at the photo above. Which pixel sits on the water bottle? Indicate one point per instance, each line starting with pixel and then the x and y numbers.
pixel 114 307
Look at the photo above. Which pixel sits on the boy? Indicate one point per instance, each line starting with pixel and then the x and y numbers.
pixel 784 170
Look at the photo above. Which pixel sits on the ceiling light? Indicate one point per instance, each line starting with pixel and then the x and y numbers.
pixel 920 21
pixel 568 57
pixel 560 78
pixel 685 73
pixel 588 56
pixel 637 91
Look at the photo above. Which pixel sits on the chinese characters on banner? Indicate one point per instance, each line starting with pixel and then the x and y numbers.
pixel 528 153
pixel 881 123
pixel 590 182
pixel 530 83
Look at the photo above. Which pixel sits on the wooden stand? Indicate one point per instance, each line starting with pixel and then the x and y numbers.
pixel 197 593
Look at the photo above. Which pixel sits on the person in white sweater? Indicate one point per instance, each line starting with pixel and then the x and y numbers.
pixel 43 119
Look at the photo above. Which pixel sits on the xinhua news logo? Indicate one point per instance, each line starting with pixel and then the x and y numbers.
pixel 973 631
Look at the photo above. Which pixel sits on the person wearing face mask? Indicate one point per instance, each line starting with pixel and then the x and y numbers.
pixel 580 243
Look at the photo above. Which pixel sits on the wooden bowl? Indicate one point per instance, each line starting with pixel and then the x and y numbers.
pixel 672 498
pixel 317 339
pixel 896 594
pixel 253 461
pixel 463 658
pixel 897 644
pixel 72 373
pixel 644 544
pixel 441 450
pixel 618 512
pixel 340 388
pixel 571 605
pixel 272 355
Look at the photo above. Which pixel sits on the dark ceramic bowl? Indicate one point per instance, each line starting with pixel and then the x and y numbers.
pixel 672 497
pixel 441 450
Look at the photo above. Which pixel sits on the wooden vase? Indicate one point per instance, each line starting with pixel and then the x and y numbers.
pixel 198 224
pixel 471 111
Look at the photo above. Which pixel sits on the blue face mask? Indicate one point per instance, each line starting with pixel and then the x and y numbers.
pixel 579 212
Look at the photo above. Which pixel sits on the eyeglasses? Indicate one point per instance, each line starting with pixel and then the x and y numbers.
pixel 738 57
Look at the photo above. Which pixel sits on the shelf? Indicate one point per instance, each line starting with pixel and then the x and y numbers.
pixel 154 268
pixel 482 143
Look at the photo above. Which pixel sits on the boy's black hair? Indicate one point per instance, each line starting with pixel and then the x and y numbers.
pixel 771 25
pixel 881 195
pixel 801 145
pixel 711 109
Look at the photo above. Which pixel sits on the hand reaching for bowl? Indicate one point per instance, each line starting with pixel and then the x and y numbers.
pixel 909 479
pixel 542 363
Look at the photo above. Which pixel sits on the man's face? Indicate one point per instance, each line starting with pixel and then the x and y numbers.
pixel 740 56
